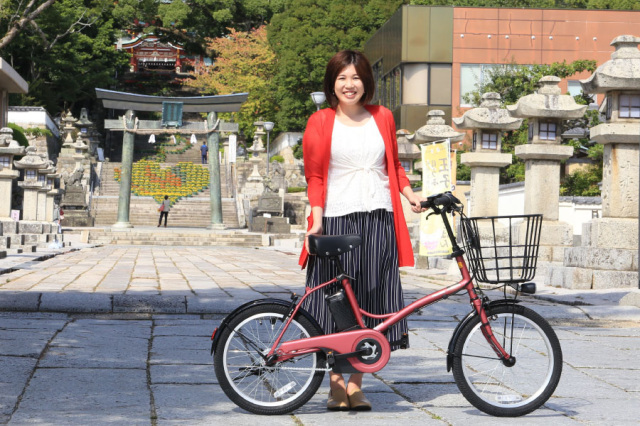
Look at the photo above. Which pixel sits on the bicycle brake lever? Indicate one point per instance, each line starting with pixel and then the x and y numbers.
pixel 430 214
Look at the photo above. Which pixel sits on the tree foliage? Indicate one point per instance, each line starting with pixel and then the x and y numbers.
pixel 305 35
pixel 245 63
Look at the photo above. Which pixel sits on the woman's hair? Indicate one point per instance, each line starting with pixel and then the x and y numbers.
pixel 166 197
pixel 339 62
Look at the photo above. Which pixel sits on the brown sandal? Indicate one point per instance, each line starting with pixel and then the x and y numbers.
pixel 359 402
pixel 338 400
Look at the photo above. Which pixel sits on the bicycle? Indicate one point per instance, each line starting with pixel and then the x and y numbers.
pixel 270 355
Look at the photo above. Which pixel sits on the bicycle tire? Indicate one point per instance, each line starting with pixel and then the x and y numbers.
pixel 490 385
pixel 240 369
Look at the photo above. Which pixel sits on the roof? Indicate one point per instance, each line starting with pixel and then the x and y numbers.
pixel 132 101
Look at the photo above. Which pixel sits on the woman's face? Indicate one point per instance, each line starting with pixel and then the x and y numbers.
pixel 348 87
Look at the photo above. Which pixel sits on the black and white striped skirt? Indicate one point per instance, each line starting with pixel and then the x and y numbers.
pixel 374 265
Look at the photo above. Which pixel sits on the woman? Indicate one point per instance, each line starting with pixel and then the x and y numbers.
pixel 164 210
pixel 354 182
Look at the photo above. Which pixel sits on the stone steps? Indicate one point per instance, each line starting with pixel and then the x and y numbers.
pixel 192 211
pixel 175 238
pixel 26 236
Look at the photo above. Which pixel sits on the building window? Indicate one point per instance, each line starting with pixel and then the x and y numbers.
pixel 530 131
pixel 574 87
pixel 609 107
pixel 392 91
pixel 377 76
pixel 475 141
pixel 406 165
pixel 489 141
pixel 472 76
pixel 41 178
pixel 629 106
pixel 547 131
pixel 30 174
pixel 5 161
pixel 440 84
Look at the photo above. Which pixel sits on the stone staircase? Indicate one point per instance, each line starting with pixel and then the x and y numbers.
pixel 177 237
pixel 26 237
pixel 191 212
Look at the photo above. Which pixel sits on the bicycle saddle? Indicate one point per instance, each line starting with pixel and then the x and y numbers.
pixel 333 245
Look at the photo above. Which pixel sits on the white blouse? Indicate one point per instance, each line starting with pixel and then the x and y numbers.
pixel 358 180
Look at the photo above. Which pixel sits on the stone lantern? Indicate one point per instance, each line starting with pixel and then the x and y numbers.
pixel 546 110
pixel 68 129
pixel 487 121
pixel 30 163
pixel 41 212
pixel 8 149
pixel 407 154
pixel 87 129
pixel 255 186
pixel 51 194
pixel 608 255
pixel 435 130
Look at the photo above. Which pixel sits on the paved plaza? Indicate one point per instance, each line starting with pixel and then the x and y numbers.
pixel 121 335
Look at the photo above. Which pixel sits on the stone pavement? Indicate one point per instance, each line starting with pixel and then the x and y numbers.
pixel 119 334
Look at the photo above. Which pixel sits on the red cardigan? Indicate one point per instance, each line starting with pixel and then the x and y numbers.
pixel 316 145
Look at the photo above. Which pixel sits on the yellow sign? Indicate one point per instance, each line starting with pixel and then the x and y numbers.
pixel 436 178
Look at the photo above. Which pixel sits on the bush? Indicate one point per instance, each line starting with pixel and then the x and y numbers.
pixel 18 134
pixel 294 189
pixel 278 158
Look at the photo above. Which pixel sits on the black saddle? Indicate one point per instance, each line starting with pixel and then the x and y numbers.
pixel 333 245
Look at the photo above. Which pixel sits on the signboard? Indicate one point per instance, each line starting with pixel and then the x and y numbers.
pixel 436 178
pixel 15 215
pixel 100 153
pixel 233 146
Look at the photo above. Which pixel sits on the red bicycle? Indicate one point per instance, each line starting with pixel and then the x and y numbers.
pixel 270 355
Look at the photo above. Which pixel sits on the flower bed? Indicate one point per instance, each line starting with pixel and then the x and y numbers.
pixel 180 181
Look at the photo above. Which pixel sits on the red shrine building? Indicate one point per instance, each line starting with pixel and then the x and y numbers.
pixel 149 54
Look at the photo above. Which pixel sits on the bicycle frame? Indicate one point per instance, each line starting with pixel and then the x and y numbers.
pixel 342 342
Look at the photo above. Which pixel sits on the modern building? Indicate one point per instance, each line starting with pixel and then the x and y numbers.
pixel 429 57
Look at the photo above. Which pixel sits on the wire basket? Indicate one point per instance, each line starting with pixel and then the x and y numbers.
pixel 502 249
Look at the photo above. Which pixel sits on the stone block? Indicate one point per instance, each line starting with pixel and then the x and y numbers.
pixel 611 233
pixel 553 233
pixel 3 254
pixel 46 228
pixel 569 277
pixel 614 279
pixel 31 238
pixel 599 258
pixel 5 242
pixel 9 227
pixel 29 227
pixel 270 225
pixel 631 299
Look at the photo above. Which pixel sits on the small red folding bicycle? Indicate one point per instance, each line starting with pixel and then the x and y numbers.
pixel 270 355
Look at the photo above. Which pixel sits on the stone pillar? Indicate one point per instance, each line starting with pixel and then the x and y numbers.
pixel 546 110
pixel 8 149
pixel 213 142
pixel 30 163
pixel 488 121
pixel 124 198
pixel 608 256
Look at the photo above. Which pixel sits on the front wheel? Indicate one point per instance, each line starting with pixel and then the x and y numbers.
pixel 241 369
pixel 501 389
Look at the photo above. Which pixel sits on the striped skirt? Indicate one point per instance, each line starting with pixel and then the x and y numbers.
pixel 374 265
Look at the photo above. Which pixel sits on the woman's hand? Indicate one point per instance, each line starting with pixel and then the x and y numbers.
pixel 316 229
pixel 414 199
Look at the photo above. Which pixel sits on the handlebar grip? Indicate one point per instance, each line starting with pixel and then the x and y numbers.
pixel 443 200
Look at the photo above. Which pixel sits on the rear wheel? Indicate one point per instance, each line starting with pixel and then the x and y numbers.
pixel 243 374
pixel 501 389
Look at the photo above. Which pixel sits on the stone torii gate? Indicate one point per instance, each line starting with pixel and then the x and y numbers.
pixel 171 123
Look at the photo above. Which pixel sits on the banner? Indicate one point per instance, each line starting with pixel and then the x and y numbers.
pixel 233 146
pixel 436 178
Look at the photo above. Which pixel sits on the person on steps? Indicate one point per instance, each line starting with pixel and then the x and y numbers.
pixel 164 210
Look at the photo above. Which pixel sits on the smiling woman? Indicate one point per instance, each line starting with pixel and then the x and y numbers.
pixel 354 183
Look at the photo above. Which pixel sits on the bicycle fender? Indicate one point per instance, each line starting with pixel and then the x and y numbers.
pixel 465 321
pixel 225 322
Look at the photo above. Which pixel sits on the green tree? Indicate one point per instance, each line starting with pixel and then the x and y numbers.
pixel 305 35
pixel 245 63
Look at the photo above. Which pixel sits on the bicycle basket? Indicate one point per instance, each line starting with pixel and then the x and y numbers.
pixel 502 249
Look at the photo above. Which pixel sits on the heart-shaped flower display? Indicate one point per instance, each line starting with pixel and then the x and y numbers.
pixel 180 181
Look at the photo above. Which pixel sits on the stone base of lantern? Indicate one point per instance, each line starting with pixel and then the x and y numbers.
pixel 77 218
pixel 555 238
pixel 608 257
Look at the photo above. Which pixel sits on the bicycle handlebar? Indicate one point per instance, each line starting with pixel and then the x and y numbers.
pixel 445 201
